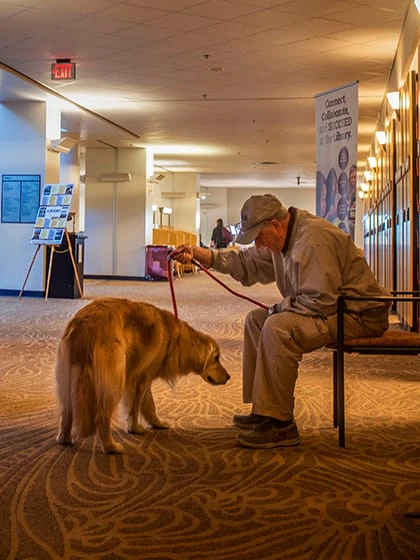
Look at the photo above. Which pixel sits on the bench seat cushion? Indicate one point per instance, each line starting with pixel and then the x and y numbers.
pixel 391 338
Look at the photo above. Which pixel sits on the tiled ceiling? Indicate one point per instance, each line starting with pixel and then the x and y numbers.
pixel 234 80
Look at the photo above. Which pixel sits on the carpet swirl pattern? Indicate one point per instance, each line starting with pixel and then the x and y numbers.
pixel 189 493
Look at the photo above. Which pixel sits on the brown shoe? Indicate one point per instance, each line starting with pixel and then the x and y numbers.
pixel 268 435
pixel 249 421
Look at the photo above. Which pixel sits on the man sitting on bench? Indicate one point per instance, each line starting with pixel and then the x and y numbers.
pixel 312 262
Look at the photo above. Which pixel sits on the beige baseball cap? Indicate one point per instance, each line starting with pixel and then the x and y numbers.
pixel 256 212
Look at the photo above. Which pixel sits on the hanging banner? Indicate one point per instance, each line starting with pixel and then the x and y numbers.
pixel 336 121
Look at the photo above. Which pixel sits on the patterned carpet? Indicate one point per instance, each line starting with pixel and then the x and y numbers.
pixel 190 493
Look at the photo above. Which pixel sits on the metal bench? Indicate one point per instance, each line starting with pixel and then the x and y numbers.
pixel 392 342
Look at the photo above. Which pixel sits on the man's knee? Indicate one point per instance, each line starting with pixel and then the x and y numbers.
pixel 299 333
pixel 256 317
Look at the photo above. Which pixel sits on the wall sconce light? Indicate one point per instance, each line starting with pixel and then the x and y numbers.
pixel 364 187
pixel 368 175
pixel 394 99
pixel 372 162
pixel 381 137
pixel 394 102
pixel 361 194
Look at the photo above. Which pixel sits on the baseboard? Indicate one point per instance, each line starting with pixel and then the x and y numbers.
pixel 113 277
pixel 26 293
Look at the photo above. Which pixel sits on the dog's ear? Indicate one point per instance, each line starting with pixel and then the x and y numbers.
pixel 209 356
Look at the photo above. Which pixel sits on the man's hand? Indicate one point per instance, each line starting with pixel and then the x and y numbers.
pixel 186 253
pixel 183 254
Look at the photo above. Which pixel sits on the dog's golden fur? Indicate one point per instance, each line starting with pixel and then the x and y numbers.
pixel 113 349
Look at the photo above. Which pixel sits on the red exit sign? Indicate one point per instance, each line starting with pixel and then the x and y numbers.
pixel 63 70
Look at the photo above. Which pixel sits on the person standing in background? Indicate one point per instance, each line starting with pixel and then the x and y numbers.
pixel 220 237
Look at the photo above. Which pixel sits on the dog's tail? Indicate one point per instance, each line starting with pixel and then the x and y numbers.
pixel 98 387
pixel 84 401
pixel 90 379
pixel 75 392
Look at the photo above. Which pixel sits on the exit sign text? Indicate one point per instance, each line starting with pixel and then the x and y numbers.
pixel 63 71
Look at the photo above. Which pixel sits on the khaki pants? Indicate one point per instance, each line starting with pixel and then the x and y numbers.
pixel 274 346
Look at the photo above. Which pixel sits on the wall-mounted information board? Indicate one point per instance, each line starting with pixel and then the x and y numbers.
pixel 20 198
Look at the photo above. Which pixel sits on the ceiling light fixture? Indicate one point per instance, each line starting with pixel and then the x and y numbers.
pixel 180 149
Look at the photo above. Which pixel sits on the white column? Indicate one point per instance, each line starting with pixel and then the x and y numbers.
pixel 184 215
pixel 70 173
pixel 23 150
pixel 115 213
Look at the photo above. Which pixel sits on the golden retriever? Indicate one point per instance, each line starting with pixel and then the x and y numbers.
pixel 113 349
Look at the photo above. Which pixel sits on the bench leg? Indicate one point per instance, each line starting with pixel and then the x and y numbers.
pixel 335 391
pixel 340 398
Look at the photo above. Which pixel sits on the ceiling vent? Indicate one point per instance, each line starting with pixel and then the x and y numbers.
pixel 208 205
pixel 115 178
pixel 172 194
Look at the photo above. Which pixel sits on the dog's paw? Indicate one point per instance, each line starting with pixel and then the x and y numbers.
pixel 136 429
pixel 113 449
pixel 160 425
pixel 63 439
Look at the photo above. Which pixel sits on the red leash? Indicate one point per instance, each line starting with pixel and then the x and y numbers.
pixel 201 267
pixel 171 284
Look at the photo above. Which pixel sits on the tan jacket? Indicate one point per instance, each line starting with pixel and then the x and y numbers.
pixel 319 263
